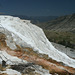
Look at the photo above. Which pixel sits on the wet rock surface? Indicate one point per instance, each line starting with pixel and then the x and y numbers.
pixel 24 68
pixel 30 69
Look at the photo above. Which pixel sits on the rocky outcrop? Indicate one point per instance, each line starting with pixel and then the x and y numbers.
pixel 20 47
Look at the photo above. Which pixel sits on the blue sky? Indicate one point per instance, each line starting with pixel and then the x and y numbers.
pixel 37 7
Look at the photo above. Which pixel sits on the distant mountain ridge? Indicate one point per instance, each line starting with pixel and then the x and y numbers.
pixel 36 19
pixel 63 23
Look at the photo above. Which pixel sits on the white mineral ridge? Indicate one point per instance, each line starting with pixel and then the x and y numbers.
pixel 10 60
pixel 11 72
pixel 33 37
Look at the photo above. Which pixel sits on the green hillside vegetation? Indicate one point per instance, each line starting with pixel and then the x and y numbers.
pixel 64 38
pixel 61 30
